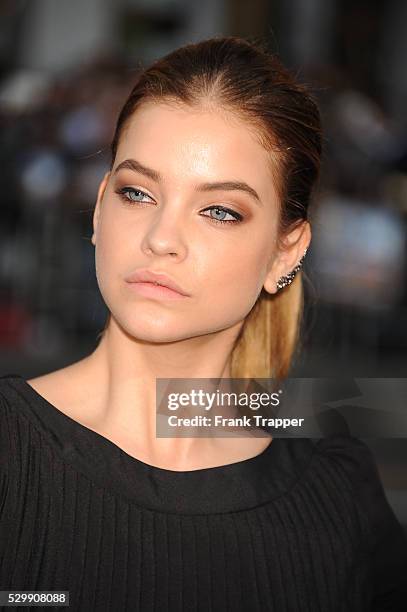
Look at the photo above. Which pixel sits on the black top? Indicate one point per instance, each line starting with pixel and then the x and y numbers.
pixel 304 526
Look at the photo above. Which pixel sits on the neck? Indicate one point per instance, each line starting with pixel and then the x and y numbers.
pixel 123 371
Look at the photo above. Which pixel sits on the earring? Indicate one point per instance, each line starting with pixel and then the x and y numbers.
pixel 283 281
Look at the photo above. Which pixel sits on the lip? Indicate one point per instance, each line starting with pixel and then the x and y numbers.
pixel 145 279
pixel 159 292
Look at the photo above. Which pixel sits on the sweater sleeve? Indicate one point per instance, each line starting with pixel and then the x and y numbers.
pixel 387 542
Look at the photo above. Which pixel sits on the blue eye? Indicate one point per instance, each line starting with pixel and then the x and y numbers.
pixel 221 211
pixel 130 196
pixel 126 194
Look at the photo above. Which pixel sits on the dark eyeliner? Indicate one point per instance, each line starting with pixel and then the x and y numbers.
pixel 238 217
pixel 122 194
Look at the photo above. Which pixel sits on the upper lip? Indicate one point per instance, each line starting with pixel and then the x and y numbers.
pixel 149 276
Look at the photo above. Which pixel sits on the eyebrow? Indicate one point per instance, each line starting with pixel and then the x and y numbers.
pixel 136 166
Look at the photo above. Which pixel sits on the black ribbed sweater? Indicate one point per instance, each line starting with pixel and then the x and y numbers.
pixel 304 526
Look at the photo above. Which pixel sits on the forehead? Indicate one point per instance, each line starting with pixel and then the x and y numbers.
pixel 192 144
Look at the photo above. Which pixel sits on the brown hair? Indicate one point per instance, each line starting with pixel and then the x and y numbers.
pixel 243 77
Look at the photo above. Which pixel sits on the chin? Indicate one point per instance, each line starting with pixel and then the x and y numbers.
pixel 154 331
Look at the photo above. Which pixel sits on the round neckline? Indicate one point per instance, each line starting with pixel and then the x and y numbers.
pixel 61 414
pixel 233 486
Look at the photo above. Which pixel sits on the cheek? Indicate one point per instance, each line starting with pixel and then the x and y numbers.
pixel 234 277
pixel 110 253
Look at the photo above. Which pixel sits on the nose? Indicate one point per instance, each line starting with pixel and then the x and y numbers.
pixel 164 236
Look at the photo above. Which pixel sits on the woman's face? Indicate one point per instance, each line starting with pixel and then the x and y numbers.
pixel 169 220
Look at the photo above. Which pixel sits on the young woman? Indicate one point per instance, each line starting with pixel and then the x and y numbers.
pixel 214 158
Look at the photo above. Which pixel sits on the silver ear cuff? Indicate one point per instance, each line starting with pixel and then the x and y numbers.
pixel 283 281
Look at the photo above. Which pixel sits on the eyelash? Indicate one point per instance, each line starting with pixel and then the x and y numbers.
pixel 126 190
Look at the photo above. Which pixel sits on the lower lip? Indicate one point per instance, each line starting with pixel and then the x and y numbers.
pixel 156 291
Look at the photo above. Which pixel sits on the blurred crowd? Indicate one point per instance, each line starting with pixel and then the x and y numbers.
pixel 55 149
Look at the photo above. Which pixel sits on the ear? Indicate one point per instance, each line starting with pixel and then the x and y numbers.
pixel 294 245
pixel 96 212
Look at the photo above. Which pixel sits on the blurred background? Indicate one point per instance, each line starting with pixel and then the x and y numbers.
pixel 66 68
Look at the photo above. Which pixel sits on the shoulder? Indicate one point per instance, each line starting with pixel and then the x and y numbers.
pixel 10 408
pixel 385 540
pixel 12 398
pixel 8 396
pixel 348 453
pixel 341 445
pixel 340 460
pixel 17 417
pixel 5 435
pixel 348 462
pixel 354 461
